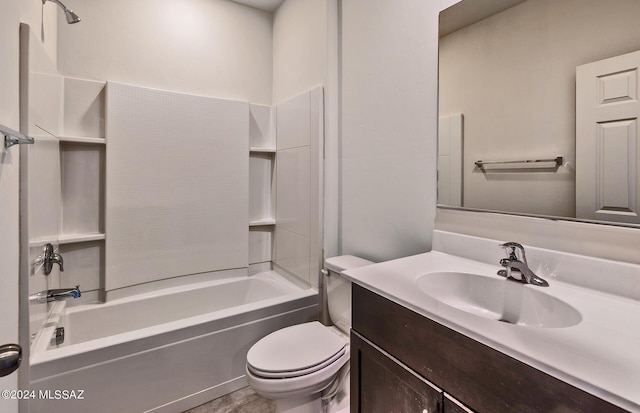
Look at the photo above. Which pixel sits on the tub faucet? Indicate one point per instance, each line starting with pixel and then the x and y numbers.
pixel 57 294
pixel 523 272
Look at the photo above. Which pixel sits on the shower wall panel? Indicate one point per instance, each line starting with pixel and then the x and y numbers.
pixel 300 139
pixel 177 193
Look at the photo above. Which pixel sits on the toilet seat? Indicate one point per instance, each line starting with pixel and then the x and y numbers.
pixel 299 386
pixel 296 373
pixel 296 351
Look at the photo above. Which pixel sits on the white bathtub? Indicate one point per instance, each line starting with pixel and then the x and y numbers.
pixel 165 351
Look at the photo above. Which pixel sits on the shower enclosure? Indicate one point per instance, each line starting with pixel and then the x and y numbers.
pixel 191 224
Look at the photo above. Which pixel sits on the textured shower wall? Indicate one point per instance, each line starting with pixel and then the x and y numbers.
pixel 177 193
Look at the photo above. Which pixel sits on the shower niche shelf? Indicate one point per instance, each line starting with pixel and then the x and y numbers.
pixel 82 234
pixel 262 222
pixel 77 238
pixel 83 139
pixel 257 149
pixel 83 190
pixel 262 151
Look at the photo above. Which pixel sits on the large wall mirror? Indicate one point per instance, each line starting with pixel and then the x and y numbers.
pixel 538 107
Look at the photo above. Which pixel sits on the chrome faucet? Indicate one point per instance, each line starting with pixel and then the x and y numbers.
pixel 57 294
pixel 48 258
pixel 522 271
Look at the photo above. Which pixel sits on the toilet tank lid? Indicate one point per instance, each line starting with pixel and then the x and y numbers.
pixel 345 262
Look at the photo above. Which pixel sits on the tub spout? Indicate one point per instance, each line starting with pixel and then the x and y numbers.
pixel 58 294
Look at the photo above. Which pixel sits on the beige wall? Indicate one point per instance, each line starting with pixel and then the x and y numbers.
pixel 43 21
pixel 9 165
pixel 305 55
pixel 389 134
pixel 212 48
pixel 513 77
pixel 602 241
pixel 299 48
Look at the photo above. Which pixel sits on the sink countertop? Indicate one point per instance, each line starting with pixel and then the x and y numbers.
pixel 599 355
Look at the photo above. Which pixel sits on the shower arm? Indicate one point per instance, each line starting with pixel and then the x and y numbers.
pixel 56 2
pixel 69 14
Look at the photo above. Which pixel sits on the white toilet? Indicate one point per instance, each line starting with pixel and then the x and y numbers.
pixel 301 365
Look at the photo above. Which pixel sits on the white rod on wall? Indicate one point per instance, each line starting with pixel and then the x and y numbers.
pixel 558 161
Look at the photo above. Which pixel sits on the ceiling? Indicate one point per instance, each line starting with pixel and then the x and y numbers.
pixel 468 12
pixel 460 15
pixel 266 5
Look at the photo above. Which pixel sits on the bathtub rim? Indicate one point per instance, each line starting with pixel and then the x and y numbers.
pixel 43 362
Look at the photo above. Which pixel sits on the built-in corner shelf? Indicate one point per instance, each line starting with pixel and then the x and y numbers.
pixel 262 222
pixel 76 238
pixel 262 159
pixel 258 149
pixel 82 139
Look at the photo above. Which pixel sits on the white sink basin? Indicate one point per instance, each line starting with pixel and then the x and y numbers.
pixel 499 299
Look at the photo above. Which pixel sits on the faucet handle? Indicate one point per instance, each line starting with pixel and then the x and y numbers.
pixel 57 259
pixel 48 258
pixel 512 254
pixel 512 244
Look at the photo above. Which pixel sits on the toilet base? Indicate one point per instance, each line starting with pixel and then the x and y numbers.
pixel 309 404
pixel 313 404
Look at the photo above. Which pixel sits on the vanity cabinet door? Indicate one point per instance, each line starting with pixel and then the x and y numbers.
pixel 380 384
pixel 451 405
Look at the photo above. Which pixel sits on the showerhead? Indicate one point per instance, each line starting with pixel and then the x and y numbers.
pixel 69 14
pixel 71 17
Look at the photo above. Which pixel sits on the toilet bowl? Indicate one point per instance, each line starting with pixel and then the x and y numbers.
pixel 304 372
pixel 305 365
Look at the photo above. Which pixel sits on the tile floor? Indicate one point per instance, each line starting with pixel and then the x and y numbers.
pixel 244 400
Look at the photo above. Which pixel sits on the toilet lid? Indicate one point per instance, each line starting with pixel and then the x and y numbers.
pixel 296 373
pixel 299 349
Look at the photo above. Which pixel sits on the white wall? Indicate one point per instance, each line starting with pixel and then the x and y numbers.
pixel 211 48
pixel 512 75
pixel 389 126
pixel 602 241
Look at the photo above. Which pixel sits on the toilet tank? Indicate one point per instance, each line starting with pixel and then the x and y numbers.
pixel 339 289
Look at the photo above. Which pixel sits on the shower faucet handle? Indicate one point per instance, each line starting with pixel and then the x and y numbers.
pixel 48 258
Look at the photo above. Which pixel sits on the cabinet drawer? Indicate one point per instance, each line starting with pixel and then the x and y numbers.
pixel 477 375
pixel 379 384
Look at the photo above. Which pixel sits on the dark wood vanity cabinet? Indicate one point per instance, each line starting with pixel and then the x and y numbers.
pixel 383 385
pixel 404 362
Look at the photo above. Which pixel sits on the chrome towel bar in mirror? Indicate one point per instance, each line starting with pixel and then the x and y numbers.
pixel 558 161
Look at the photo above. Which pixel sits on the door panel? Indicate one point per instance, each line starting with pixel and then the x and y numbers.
pixel 450 139
pixel 607 142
